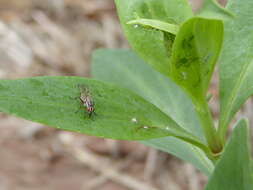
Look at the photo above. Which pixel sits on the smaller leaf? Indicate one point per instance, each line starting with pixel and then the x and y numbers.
pixel 195 51
pixel 233 170
pixel 156 24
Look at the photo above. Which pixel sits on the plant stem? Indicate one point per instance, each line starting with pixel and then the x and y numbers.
pixel 222 129
pixel 207 124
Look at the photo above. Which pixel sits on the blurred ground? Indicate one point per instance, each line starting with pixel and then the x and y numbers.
pixel 56 37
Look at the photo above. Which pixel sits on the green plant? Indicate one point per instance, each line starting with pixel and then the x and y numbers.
pixel 164 105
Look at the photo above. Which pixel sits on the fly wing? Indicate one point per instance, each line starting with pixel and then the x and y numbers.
pixel 84 89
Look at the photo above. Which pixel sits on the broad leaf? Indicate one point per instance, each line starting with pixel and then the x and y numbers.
pixel 124 68
pixel 236 68
pixel 152 45
pixel 233 170
pixel 195 52
pixel 119 114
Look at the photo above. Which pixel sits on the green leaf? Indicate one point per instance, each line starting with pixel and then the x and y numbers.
pixel 157 24
pixel 211 9
pixel 153 45
pixel 233 170
pixel 195 52
pixel 184 151
pixel 188 58
pixel 124 68
pixel 236 68
pixel 119 114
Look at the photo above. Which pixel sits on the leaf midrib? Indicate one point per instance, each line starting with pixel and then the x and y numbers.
pixel 233 97
pixel 37 101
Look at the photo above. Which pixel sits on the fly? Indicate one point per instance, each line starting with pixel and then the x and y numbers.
pixel 86 100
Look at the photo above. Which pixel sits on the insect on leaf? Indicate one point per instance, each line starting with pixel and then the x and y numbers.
pixel 120 114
